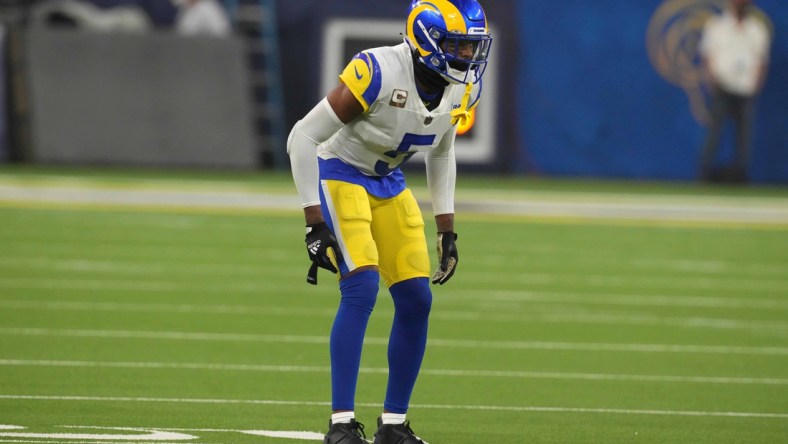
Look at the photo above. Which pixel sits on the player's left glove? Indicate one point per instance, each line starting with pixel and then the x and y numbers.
pixel 319 239
pixel 447 257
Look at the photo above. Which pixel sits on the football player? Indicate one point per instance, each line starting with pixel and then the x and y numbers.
pixel 362 222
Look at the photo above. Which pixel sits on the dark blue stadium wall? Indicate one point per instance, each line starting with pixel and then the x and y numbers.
pixel 591 103
pixel 579 95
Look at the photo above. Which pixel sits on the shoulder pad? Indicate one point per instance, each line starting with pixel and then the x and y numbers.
pixel 363 78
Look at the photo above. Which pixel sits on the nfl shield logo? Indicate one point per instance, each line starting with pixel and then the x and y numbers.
pixel 428 120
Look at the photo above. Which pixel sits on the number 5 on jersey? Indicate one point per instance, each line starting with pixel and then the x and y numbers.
pixel 401 154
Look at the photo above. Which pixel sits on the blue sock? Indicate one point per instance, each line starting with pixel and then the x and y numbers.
pixel 359 293
pixel 412 302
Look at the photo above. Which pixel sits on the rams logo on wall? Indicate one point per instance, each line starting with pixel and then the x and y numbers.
pixel 672 41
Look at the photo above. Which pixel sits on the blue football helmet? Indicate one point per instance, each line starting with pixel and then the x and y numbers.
pixel 451 37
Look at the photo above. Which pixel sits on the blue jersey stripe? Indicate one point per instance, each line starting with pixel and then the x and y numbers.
pixel 376 80
pixel 383 187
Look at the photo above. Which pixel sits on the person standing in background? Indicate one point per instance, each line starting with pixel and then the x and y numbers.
pixel 735 56
pixel 201 17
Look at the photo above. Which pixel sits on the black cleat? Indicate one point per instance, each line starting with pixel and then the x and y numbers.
pixel 396 434
pixel 345 433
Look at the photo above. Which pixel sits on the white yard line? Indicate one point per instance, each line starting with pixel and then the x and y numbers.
pixel 675 300
pixel 144 268
pixel 646 210
pixel 27 441
pixel 561 317
pixel 751 272
pixel 754 285
pixel 448 407
pixel 137 307
pixel 137 285
pixel 483 280
pixel 136 197
pixel 150 437
pixel 721 380
pixel 382 341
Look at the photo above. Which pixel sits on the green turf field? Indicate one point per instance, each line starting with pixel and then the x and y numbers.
pixel 168 307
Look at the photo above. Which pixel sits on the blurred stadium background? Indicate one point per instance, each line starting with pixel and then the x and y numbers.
pixel 151 262
pixel 584 89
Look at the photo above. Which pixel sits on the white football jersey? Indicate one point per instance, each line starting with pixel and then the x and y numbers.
pixel 396 123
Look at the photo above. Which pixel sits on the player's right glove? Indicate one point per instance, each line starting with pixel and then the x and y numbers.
pixel 447 257
pixel 319 239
